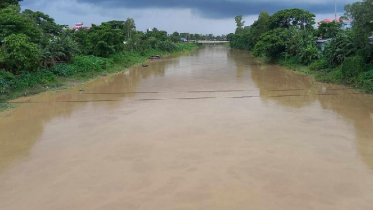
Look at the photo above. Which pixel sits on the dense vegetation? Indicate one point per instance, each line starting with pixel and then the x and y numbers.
pixel 289 38
pixel 36 53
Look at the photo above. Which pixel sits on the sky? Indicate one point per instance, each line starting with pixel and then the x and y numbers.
pixel 192 16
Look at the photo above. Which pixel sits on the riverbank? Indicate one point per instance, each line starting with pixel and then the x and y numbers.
pixel 322 72
pixel 80 70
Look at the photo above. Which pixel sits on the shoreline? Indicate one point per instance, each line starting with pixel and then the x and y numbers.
pixel 62 82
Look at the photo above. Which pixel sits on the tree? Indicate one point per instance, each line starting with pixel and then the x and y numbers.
pixel 44 22
pixel 175 37
pixel 272 43
pixel 239 23
pixel 258 28
pixel 362 15
pixel 13 23
pixel 129 27
pixel 329 30
pixel 21 54
pixel 292 17
pixel 5 3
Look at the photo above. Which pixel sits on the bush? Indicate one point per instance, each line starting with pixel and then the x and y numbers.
pixel 63 69
pixel 319 64
pixel 352 67
pixel 309 54
pixel 7 81
pixel 83 64
pixel 31 79
pixel 365 81
pixel 166 46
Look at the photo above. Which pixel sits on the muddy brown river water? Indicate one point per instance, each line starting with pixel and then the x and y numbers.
pixel 212 129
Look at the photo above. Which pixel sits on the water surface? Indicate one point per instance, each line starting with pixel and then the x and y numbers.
pixel 211 129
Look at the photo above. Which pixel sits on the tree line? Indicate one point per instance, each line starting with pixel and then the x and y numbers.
pixel 34 49
pixel 289 37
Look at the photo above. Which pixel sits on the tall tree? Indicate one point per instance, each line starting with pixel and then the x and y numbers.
pixel 292 17
pixel 239 23
pixel 12 22
pixel 129 27
pixel 362 15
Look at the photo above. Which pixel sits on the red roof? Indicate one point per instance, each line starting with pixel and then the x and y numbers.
pixel 328 20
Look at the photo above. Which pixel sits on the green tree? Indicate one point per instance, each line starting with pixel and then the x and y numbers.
pixel 129 27
pixel 258 28
pixel 5 3
pixel 104 40
pixel 291 17
pixel 44 22
pixel 239 23
pixel 21 54
pixel 329 30
pixel 272 43
pixel 12 22
pixel 361 14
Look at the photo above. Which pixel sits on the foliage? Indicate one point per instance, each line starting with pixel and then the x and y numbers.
pixel 239 23
pixel 271 44
pixel 362 15
pixel 63 69
pixel 129 27
pixel 85 64
pixel 13 23
pixel 7 81
pixel 307 51
pixel 291 17
pixel 352 67
pixel 29 79
pixel 329 30
pixel 166 46
pixel 365 81
pixel 258 28
pixel 59 48
pixel 101 40
pixel 6 3
pixel 21 54
pixel 44 22
pixel 319 64
pixel 341 47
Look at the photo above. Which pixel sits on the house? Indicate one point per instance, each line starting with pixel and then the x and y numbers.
pixel 79 26
pixel 346 22
pixel 321 43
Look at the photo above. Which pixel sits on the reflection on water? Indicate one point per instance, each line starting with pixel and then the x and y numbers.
pixel 300 91
pixel 210 129
pixel 22 127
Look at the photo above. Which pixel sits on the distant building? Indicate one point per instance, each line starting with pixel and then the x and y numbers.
pixel 79 26
pixel 346 22
pixel 321 43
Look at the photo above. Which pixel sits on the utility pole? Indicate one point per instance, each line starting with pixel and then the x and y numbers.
pixel 335 10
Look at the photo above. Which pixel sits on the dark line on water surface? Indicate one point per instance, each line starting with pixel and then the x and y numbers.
pixel 191 98
pixel 206 91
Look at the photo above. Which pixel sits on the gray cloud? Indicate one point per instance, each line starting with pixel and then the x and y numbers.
pixel 202 16
pixel 224 8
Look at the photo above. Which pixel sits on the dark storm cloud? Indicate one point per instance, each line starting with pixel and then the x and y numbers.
pixel 223 8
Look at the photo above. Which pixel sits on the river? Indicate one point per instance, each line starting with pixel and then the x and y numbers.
pixel 211 129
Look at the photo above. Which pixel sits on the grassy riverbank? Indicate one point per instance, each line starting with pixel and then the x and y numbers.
pixel 352 72
pixel 81 69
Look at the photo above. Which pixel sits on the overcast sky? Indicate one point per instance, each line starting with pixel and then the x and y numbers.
pixel 193 16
